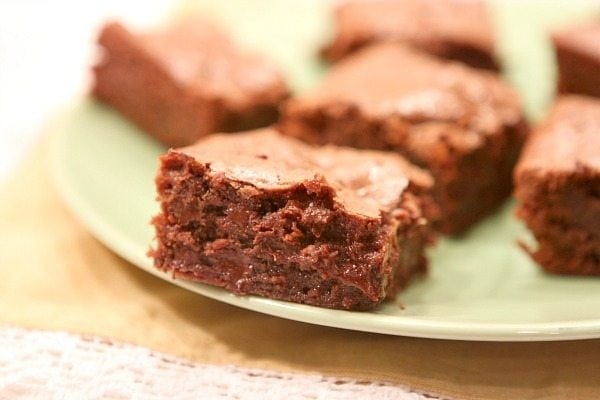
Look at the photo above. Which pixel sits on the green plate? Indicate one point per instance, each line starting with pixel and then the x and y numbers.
pixel 481 287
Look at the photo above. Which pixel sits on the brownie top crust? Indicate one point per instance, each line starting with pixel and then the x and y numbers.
pixel 567 141
pixel 430 24
pixel 583 39
pixel 365 182
pixel 389 79
pixel 200 56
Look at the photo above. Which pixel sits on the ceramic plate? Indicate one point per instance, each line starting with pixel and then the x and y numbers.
pixel 480 287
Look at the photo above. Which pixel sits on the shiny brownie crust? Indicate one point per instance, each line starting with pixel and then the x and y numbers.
pixel 184 81
pixel 464 125
pixel 558 188
pixel 258 213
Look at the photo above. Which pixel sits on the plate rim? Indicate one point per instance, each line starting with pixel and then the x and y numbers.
pixel 118 243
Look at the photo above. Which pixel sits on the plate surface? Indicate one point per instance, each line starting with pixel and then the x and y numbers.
pixel 480 287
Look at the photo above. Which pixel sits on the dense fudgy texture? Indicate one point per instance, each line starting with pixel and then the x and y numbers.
pixel 558 187
pixel 259 213
pixel 463 124
pixel 185 81
pixel 578 56
pixel 455 29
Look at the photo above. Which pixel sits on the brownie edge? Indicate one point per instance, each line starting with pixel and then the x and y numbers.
pixel 259 213
pixel 186 80
pixel 578 58
pixel 557 185
pixel 464 125
pixel 453 29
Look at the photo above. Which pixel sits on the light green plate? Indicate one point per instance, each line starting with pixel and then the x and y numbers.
pixel 481 287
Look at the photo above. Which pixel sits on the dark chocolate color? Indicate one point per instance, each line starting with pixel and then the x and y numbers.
pixel 463 124
pixel 184 81
pixel 455 29
pixel 558 187
pixel 578 56
pixel 260 213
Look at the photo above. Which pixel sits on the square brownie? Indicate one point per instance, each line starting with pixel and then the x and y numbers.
pixel 186 80
pixel 557 184
pixel 578 56
pixel 260 213
pixel 454 29
pixel 463 124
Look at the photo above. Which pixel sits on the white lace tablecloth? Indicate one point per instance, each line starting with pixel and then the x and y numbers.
pixel 58 365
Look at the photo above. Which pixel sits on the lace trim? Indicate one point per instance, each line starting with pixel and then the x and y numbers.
pixel 58 365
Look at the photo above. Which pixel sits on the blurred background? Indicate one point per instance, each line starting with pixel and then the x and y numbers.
pixel 46 49
pixel 45 52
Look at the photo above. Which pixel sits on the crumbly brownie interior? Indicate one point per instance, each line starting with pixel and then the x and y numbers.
pixel 557 184
pixel 295 243
pixel 562 211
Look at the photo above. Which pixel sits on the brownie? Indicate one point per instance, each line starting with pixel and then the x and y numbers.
pixel 578 56
pixel 260 213
pixel 557 184
pixel 455 29
pixel 186 80
pixel 463 124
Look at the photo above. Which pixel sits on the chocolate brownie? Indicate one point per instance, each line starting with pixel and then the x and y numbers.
pixel 463 124
pixel 455 29
pixel 557 184
pixel 260 213
pixel 578 56
pixel 185 81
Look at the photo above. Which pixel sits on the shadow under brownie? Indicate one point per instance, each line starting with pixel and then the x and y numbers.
pixel 260 213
